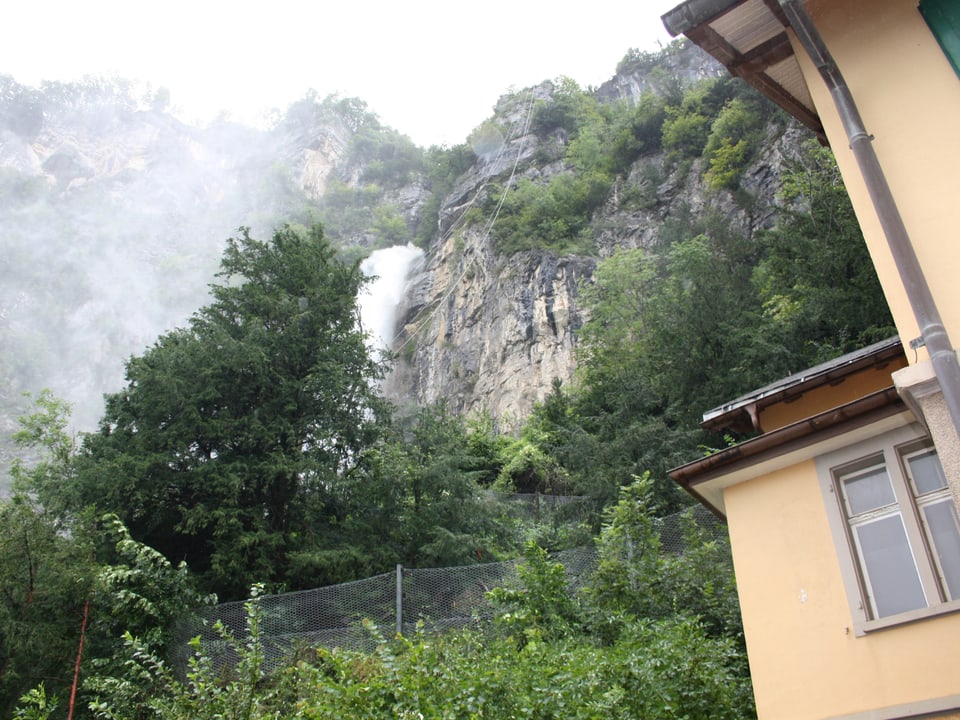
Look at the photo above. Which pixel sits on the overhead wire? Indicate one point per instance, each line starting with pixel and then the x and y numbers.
pixel 488 225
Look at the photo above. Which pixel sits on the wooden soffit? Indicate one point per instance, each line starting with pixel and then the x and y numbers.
pixel 749 37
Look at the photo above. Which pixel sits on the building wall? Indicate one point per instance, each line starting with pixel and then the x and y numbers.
pixel 909 98
pixel 805 658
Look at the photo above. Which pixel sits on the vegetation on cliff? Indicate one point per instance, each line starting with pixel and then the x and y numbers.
pixel 254 447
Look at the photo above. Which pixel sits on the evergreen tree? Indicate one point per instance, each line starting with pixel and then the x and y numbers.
pixel 227 447
pixel 820 290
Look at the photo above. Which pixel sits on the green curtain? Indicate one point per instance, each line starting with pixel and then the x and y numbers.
pixel 943 17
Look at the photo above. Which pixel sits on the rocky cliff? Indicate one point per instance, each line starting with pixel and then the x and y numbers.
pixel 490 331
pixel 114 215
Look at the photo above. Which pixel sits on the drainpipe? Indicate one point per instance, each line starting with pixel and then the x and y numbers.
pixel 933 333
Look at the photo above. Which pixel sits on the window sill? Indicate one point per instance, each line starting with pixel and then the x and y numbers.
pixel 890 621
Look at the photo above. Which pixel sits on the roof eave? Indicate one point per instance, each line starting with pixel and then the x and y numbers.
pixel 693 13
pixel 730 415
pixel 695 476
pixel 696 18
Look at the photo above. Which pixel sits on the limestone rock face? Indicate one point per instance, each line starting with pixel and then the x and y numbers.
pixel 487 333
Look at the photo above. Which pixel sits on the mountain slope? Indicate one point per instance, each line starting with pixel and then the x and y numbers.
pixel 115 215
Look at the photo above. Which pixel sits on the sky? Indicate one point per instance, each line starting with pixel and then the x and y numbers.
pixel 431 70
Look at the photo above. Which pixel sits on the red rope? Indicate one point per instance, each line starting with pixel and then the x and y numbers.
pixel 76 669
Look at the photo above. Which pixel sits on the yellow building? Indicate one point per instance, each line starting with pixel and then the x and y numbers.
pixel 843 509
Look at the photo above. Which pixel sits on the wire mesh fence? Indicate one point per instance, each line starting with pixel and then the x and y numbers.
pixel 405 601
pixel 538 506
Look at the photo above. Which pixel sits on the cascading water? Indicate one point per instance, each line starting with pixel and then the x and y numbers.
pixel 391 268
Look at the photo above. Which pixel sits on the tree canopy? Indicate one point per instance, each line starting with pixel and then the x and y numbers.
pixel 231 436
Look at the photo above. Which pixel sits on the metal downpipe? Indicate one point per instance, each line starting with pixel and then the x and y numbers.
pixel 942 354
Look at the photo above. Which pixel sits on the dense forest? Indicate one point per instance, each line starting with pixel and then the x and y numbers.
pixel 251 449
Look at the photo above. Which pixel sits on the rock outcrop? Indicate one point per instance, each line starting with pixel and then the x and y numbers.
pixel 115 217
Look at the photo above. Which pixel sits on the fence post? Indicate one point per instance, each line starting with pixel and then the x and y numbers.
pixel 399 599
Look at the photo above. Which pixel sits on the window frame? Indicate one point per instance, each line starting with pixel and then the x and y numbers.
pixel 892 448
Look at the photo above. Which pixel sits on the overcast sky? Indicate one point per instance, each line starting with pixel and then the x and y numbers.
pixel 432 70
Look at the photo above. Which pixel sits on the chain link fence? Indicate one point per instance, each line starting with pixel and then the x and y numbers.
pixel 434 599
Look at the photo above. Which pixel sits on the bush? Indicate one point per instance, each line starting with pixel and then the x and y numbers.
pixel 554 216
pixel 734 138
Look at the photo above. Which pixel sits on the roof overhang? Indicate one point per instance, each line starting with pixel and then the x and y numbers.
pixel 749 37
pixel 741 414
pixel 707 478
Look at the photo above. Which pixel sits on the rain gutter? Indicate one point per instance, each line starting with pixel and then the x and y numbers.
pixel 933 333
pixel 693 13
pixel 776 443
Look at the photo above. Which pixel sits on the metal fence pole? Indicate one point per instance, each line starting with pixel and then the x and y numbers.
pixel 399 599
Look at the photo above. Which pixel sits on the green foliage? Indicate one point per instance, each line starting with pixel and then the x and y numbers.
pixel 305 114
pixel 486 447
pixel 45 579
pixel 350 214
pixel 630 556
pixel 527 468
pixel 684 132
pixel 421 496
pixel 140 591
pixel 443 167
pixel 734 138
pixel 667 668
pixel 35 705
pixel 705 315
pixel 45 431
pixel 541 608
pixel 232 434
pixel 149 688
pixel 639 577
pixel 819 289
pixel 727 162
pixel 688 126
pixel 567 110
pixel 706 305
pixel 554 216
pixel 640 134
pixel 47 570
pixel 717 120
pixel 389 159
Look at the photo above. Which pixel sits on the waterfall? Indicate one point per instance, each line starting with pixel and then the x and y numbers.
pixel 390 268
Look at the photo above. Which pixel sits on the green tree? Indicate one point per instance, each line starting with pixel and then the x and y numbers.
pixel 45 580
pixel 640 134
pixel 44 434
pixel 566 110
pixel 687 126
pixel 819 288
pixel 644 573
pixel 227 446
pixel 47 565
pixel 540 606
pixel 735 135
pixel 555 215
pixel 443 167
pixel 620 412
pixel 445 520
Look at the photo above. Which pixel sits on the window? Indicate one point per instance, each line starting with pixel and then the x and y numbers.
pixel 899 523
pixel 943 17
